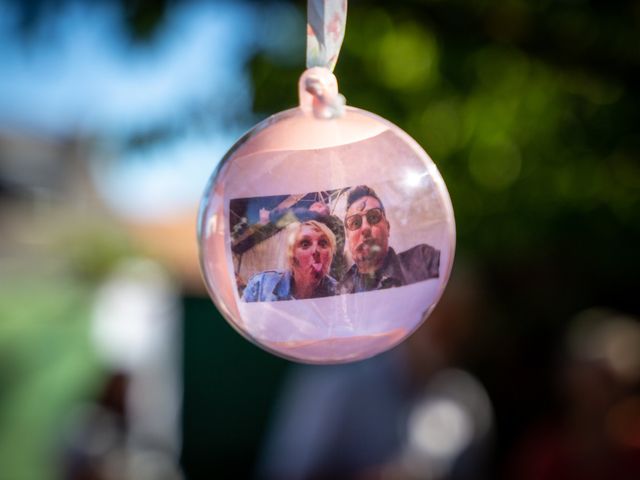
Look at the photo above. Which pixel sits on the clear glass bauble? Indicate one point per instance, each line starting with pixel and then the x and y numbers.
pixel 267 220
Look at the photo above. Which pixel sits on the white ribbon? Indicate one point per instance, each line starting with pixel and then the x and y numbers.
pixel 326 21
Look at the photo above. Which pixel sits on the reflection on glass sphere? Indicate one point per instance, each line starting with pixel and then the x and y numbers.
pixel 326 240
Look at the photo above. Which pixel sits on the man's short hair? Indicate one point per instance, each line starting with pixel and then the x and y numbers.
pixel 356 193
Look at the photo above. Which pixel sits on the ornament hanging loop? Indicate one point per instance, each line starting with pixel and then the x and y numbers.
pixel 318 89
pixel 326 20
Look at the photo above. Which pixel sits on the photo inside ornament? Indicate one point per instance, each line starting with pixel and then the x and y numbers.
pixel 326 240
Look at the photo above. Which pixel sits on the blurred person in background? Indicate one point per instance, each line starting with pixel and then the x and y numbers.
pixel 94 447
pixel 409 413
pixel 597 433
pixel 130 430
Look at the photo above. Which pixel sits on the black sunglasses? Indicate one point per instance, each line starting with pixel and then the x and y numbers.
pixel 354 222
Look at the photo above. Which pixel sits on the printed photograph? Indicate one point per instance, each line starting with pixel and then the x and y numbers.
pixel 335 242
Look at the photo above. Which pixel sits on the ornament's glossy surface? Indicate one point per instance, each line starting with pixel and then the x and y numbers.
pixel 306 265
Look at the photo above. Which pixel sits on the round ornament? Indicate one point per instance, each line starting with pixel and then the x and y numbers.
pixel 326 233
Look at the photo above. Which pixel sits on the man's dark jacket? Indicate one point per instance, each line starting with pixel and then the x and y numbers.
pixel 414 265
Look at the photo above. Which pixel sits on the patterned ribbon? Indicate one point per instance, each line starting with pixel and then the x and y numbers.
pixel 326 21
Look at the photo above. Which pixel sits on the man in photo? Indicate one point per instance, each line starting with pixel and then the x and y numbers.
pixel 377 265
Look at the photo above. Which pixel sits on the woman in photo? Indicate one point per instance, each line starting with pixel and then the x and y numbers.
pixel 311 246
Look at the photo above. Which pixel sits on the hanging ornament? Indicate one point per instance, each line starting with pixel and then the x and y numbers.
pixel 326 233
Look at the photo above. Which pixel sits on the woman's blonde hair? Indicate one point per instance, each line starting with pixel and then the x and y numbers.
pixel 291 233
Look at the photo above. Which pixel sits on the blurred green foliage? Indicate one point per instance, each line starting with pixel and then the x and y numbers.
pixel 47 363
pixel 49 368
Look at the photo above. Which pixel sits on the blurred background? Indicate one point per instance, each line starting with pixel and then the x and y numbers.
pixel 114 364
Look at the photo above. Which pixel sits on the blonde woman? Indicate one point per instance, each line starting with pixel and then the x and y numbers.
pixel 311 246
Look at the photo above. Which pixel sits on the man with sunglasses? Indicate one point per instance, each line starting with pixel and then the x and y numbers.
pixel 377 265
